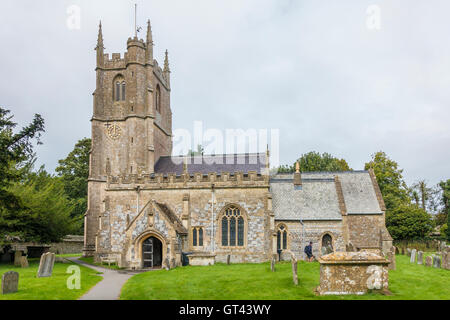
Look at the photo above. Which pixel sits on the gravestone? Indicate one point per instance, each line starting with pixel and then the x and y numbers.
pixel 408 252
pixel 446 258
pixel 391 258
pixel 24 262
pixel 166 264
pixel 228 259
pixel 436 261
pixel 272 264
pixel 294 270
pixel 413 256
pixel 46 265
pixel 10 282
pixel 396 251
pixel 17 257
pixel 403 251
pixel 428 261
pixel 420 257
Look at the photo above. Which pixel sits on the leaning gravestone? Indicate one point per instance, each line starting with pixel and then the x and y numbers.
pixel 428 261
pixel 436 261
pixel 446 258
pixel 408 252
pixel 420 257
pixel 10 282
pixel 413 256
pixel 294 270
pixel 24 262
pixel 17 258
pixel 46 265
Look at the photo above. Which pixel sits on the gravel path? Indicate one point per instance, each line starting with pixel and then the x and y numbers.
pixel 109 288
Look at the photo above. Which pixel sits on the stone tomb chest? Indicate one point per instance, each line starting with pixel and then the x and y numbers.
pixel 201 259
pixel 352 273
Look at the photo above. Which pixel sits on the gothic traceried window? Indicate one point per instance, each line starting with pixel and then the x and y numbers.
pixel 282 236
pixel 233 228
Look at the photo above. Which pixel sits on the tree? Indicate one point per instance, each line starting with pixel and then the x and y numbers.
pixel 314 161
pixel 15 149
pixel 408 222
pixel 74 172
pixel 445 186
pixel 390 180
pixel 43 213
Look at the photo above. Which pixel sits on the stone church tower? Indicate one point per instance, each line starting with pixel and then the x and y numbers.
pixel 131 122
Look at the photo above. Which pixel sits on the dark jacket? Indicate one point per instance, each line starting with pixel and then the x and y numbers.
pixel 308 249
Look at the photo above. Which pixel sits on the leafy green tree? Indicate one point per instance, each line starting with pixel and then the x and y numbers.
pixel 74 172
pixel 44 211
pixel 408 222
pixel 445 186
pixel 16 150
pixel 314 161
pixel 390 179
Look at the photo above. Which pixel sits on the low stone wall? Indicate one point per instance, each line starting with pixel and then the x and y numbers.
pixel 70 244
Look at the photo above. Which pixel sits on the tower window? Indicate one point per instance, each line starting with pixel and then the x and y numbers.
pixel 158 98
pixel 119 89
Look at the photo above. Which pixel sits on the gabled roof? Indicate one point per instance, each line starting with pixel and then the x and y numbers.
pixel 212 163
pixel 318 198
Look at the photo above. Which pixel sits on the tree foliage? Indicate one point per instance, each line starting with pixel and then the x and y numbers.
pixel 390 180
pixel 43 214
pixel 408 222
pixel 74 172
pixel 314 161
pixel 445 186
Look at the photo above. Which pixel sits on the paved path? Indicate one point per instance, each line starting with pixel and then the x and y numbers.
pixel 108 288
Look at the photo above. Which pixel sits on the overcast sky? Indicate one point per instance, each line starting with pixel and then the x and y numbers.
pixel 312 69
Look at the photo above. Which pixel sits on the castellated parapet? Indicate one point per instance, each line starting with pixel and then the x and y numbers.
pixel 193 181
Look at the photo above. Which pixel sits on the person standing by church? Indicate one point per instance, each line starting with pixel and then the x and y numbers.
pixel 308 251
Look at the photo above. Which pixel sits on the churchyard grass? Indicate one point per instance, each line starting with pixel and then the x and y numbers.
pixel 51 288
pixel 256 282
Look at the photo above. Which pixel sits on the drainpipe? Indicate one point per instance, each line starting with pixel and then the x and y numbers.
pixel 213 238
pixel 303 239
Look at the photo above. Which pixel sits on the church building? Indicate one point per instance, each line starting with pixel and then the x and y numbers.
pixel 150 209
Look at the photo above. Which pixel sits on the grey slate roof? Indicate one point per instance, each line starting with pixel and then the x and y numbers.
pixel 318 198
pixel 219 163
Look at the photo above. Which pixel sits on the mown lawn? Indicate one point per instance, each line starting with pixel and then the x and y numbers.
pixel 52 288
pixel 256 282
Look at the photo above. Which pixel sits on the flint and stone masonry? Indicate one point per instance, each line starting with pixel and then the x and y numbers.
pixel 149 209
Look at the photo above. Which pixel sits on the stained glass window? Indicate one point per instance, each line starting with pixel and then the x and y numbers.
pixel 200 237
pixel 194 237
pixel 233 228
pixel 240 231
pixel 224 231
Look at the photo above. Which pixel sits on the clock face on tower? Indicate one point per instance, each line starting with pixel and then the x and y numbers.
pixel 113 131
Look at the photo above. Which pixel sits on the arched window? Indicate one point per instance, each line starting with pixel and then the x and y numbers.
pixel 119 88
pixel 327 244
pixel 158 98
pixel 282 236
pixel 233 228
pixel 197 236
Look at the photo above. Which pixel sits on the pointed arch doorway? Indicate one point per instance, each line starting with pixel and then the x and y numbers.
pixel 152 253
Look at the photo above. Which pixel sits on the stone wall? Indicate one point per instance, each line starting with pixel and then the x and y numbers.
pixel 70 244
